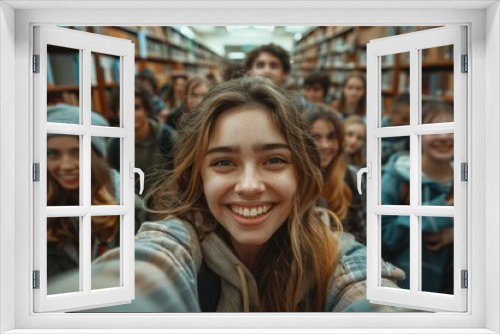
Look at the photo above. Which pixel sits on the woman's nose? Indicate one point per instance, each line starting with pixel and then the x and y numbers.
pixel 250 183
pixel 68 162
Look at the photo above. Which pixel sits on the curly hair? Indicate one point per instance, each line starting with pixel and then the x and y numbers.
pixel 304 245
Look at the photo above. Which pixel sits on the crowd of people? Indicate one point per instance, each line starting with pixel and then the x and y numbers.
pixel 251 199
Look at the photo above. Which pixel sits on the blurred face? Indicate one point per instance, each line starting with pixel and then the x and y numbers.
pixel 194 99
pixel 314 93
pixel 439 147
pixel 269 66
pixel 354 90
pixel 400 115
pixel 326 141
pixel 141 115
pixel 249 179
pixel 179 86
pixel 355 135
pixel 63 161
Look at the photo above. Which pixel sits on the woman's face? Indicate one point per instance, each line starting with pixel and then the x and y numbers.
pixel 326 141
pixel 194 99
pixel 354 90
pixel 63 161
pixel 249 179
pixel 439 146
pixel 355 135
pixel 179 86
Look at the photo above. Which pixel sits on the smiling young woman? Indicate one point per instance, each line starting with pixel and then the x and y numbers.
pixel 237 228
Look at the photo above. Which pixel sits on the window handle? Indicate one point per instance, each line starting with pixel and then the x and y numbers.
pixel 139 171
pixel 368 171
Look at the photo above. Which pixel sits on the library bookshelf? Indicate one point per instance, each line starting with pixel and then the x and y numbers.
pixel 163 49
pixel 338 50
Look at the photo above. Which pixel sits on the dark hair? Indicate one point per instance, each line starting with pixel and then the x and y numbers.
pixel 145 94
pixel 273 49
pixel 318 78
pixel 148 76
pixel 234 71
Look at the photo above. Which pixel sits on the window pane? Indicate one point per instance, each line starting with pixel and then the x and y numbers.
pixel 105 78
pixel 437 169
pixel 395 79
pixel 395 162
pixel 63 78
pixel 437 254
pixel 396 244
pixel 437 79
pixel 105 232
pixel 63 254
pixel 105 171
pixel 63 170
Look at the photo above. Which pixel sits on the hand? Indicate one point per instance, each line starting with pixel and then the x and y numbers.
pixel 439 240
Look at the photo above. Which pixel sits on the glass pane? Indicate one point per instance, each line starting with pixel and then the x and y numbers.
pixel 105 232
pixel 437 169
pixel 395 162
pixel 105 78
pixel 437 254
pixel 105 170
pixel 437 78
pixel 395 79
pixel 396 244
pixel 63 79
pixel 63 255
pixel 63 170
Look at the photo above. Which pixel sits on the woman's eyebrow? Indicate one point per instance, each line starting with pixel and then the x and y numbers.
pixel 271 146
pixel 257 148
pixel 223 149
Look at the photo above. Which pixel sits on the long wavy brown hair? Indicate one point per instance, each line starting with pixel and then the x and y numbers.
pixel 335 190
pixel 60 230
pixel 304 246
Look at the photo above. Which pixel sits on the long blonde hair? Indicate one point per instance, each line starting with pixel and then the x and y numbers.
pixel 335 191
pixel 304 245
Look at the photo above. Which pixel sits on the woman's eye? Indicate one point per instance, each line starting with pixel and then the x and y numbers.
pixel 276 160
pixel 222 163
pixel 52 154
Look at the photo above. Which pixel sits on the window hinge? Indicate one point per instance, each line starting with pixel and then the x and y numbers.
pixel 465 64
pixel 465 279
pixel 36 63
pixel 36 279
pixel 464 171
pixel 36 172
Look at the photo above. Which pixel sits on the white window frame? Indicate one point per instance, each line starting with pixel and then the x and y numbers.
pixel 85 43
pixel 414 43
pixel 483 20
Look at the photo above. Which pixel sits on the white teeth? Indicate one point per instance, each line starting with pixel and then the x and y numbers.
pixel 253 212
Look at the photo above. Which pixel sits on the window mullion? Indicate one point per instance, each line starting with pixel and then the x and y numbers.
pixel 415 175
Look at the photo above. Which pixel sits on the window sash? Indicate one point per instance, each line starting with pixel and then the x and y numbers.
pixel 86 43
pixel 413 42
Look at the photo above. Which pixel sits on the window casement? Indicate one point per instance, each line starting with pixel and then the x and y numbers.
pixel 69 53
pixel 481 315
pixel 436 142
